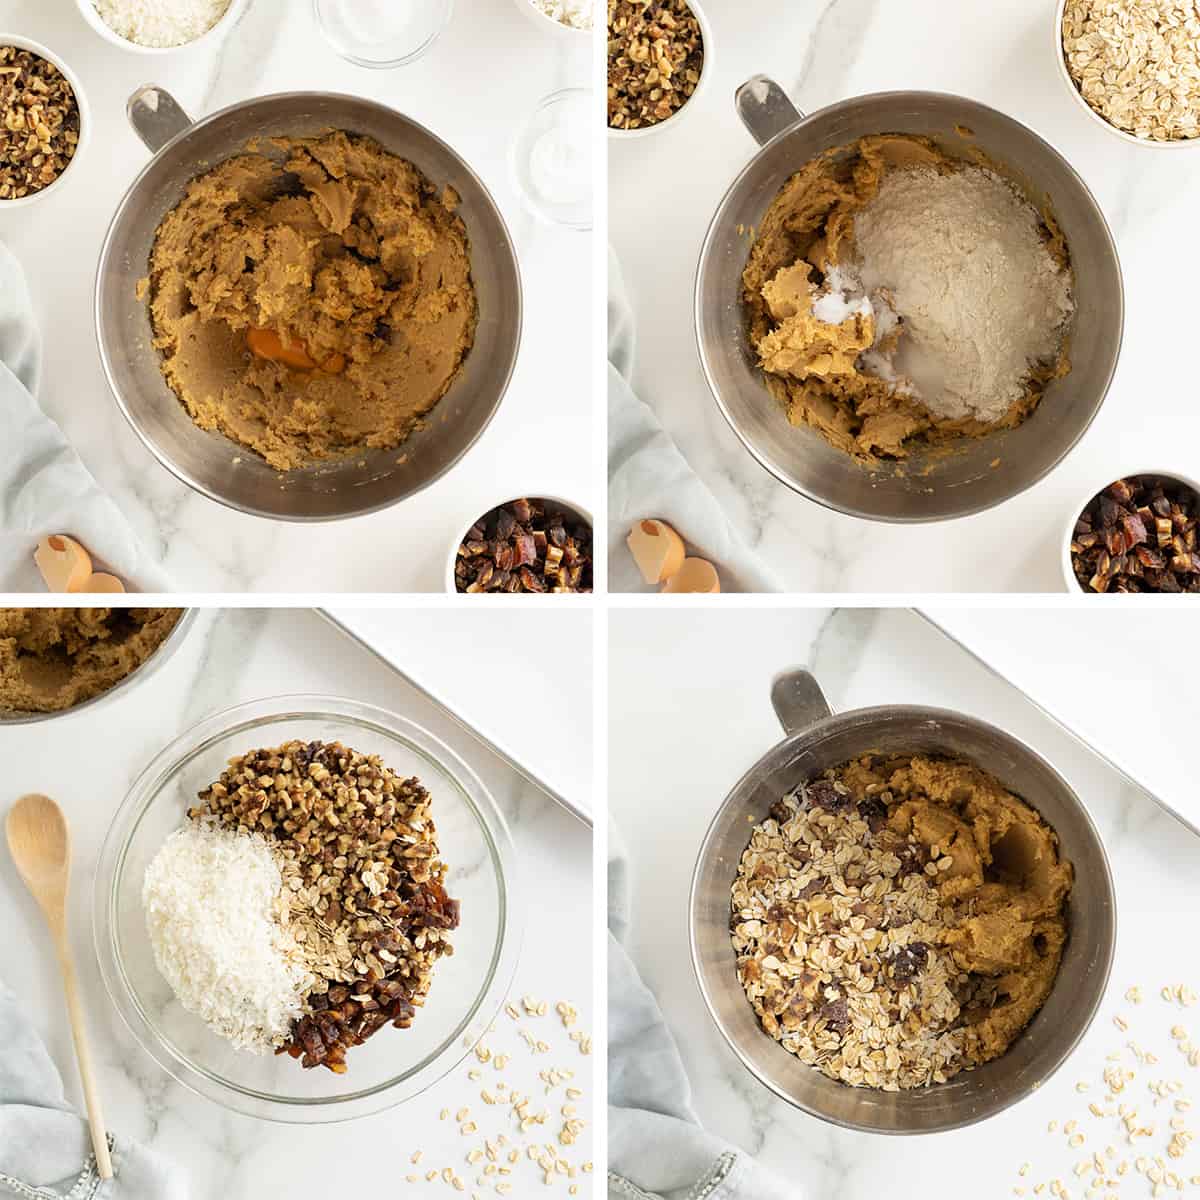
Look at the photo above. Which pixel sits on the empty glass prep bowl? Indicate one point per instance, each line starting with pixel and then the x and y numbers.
pixel 393 1066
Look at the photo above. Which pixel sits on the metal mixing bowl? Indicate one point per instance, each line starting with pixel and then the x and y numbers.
pixel 218 467
pixel 928 486
pixel 817 740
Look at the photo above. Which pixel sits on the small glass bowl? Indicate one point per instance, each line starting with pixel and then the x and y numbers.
pixel 557 135
pixel 395 1065
pixel 382 34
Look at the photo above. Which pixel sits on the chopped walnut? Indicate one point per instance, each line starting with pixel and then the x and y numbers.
pixel 655 58
pixel 39 123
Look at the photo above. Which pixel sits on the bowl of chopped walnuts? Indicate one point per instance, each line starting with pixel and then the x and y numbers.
pixel 41 98
pixel 659 60
pixel 306 909
pixel 1134 68
pixel 534 544
pixel 1140 534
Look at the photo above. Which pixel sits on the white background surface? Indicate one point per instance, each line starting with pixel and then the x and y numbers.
pixel 528 690
pixel 707 700
pixel 245 655
pixel 475 88
pixel 1001 54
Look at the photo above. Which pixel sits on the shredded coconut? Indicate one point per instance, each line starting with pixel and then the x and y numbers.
pixel 160 23
pixel 575 13
pixel 983 301
pixel 211 898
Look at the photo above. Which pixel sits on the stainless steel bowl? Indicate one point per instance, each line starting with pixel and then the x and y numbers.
pixel 140 674
pixel 817 739
pixel 218 467
pixel 927 486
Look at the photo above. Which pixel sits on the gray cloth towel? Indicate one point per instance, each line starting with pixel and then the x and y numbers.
pixel 656 1147
pixel 45 1148
pixel 649 478
pixel 44 487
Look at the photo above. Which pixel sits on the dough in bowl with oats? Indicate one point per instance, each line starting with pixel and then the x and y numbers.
pixel 900 920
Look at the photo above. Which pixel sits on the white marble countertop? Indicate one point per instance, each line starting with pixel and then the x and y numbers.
pixel 707 700
pixel 230 657
pixel 475 89
pixel 1002 55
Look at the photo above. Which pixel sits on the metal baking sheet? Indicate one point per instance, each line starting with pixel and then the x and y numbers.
pixel 1122 682
pixel 529 702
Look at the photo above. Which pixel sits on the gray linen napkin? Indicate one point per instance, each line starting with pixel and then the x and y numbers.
pixel 656 1147
pixel 649 478
pixel 44 487
pixel 45 1148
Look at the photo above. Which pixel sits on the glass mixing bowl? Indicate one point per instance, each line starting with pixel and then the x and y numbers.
pixel 393 1066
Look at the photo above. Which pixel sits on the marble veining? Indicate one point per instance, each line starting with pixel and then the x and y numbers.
pixel 713 719
pixel 88 762
pixel 1002 55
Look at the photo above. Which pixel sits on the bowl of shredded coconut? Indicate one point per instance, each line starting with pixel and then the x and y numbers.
pixel 565 18
pixel 291 971
pixel 159 26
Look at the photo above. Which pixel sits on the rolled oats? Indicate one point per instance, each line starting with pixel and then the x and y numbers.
pixel 39 123
pixel 1137 63
pixel 655 58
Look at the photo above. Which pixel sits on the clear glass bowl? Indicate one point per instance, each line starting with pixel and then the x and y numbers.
pixel 382 33
pixel 395 1065
pixel 551 159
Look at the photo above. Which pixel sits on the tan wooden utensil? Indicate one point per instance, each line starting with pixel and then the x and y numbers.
pixel 41 847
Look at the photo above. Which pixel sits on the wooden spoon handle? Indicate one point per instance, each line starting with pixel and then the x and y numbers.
pixel 83 1056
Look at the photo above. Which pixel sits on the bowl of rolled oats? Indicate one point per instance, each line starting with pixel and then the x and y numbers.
pixel 44 121
pixel 660 58
pixel 1134 67
pixel 306 909
pixel 902 919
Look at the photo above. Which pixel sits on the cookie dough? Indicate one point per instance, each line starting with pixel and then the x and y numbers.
pixel 312 301
pixel 816 370
pixel 52 659
pixel 909 905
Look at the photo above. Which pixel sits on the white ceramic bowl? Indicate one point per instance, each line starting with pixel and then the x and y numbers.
pixel 556 28
pixel 706 71
pixel 568 507
pixel 1064 72
pixel 85 116
pixel 1072 584
pixel 88 11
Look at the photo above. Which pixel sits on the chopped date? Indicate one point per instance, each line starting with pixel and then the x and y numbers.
pixel 526 546
pixel 1139 535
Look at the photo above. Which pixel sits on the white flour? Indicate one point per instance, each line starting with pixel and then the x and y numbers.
pixel 209 897
pixel 983 301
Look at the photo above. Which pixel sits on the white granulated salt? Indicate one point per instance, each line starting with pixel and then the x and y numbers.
pixel 160 23
pixel 210 899
pixel 575 13
pixel 962 258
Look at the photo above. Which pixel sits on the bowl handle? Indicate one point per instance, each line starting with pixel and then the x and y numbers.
pixel 765 109
pixel 156 116
pixel 798 700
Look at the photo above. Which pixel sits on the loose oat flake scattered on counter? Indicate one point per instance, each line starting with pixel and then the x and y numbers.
pixel 39 123
pixel 312 298
pixel 301 908
pixel 897 297
pixel 899 920
pixel 52 659
pixel 655 58
pixel 1137 63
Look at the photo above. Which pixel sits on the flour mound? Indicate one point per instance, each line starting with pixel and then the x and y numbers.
pixel 983 301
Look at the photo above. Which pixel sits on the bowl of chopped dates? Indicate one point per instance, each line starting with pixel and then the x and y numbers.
pixel 44 121
pixel 531 544
pixel 1140 534
pixel 306 909
pixel 902 918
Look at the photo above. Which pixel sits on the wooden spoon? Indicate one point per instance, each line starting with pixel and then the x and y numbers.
pixel 41 847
